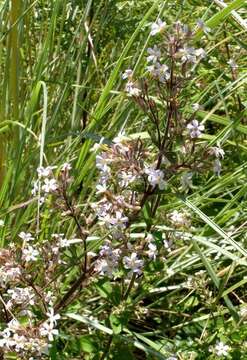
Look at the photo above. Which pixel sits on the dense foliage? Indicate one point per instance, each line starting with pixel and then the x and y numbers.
pixel 123 179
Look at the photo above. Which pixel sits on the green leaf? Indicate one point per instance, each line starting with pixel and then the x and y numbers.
pixel 116 324
pixel 87 344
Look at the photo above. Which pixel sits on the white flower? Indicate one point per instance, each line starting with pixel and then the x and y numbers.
pixel 52 317
pixel 133 263
pixel 167 244
pixel 102 161
pixel 20 296
pixel 178 218
pixel 217 152
pixel 127 74
pixel 217 167
pixel 26 236
pixel 35 188
pixel 243 311
pixel 45 172
pixel 221 349
pixel 200 23
pixel 195 128
pixel 131 89
pixel 66 167
pixel 9 274
pixel 1 223
pixel 159 71
pixel 190 54
pixel 156 178
pixel 106 249
pixel 120 220
pixel 157 27
pixel 195 106
pixel 50 185
pixel 95 147
pixel 30 254
pixel 126 178
pixel 120 138
pixel 64 243
pixel 152 251
pixel 104 267
pixel 201 53
pixel 109 264
pixel 186 181
pixel 48 330
pixel 101 188
pixel 232 64
pixel 154 54
pixel 149 238
pixel 187 54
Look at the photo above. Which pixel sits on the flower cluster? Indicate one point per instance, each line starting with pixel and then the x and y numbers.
pixel 45 184
pixel 27 291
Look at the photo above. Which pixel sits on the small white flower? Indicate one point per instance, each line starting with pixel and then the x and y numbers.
pixel 20 296
pixel 152 251
pixel 154 54
pixel 167 244
pixel 48 330
pixel 217 167
pixel 50 185
pixel 120 138
pixel 52 317
pixel 66 167
pixel 133 263
pixel 120 220
pixel 187 54
pixel 45 172
pixel 26 236
pixel 101 188
pixel 201 25
pixel 186 181
pixel 127 74
pixel 217 151
pixel 195 129
pixel 126 178
pixel 156 177
pixel 131 89
pixel 201 53
pixel 104 268
pixel 102 161
pixel 30 254
pixel 64 243
pixel 221 349
pixel 159 71
pixel 157 27
pixel 195 106
pixel 149 238
pixel 243 311
pixel 1 223
pixel 35 188
pixel 178 218
pixel 232 64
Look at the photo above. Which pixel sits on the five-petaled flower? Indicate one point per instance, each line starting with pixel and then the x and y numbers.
pixel 157 27
pixel 195 128
pixel 133 263
pixel 221 349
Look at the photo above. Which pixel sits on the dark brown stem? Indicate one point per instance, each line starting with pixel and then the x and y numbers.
pixel 82 233
pixel 77 284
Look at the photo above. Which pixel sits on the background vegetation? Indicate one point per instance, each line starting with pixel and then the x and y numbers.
pixel 61 91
